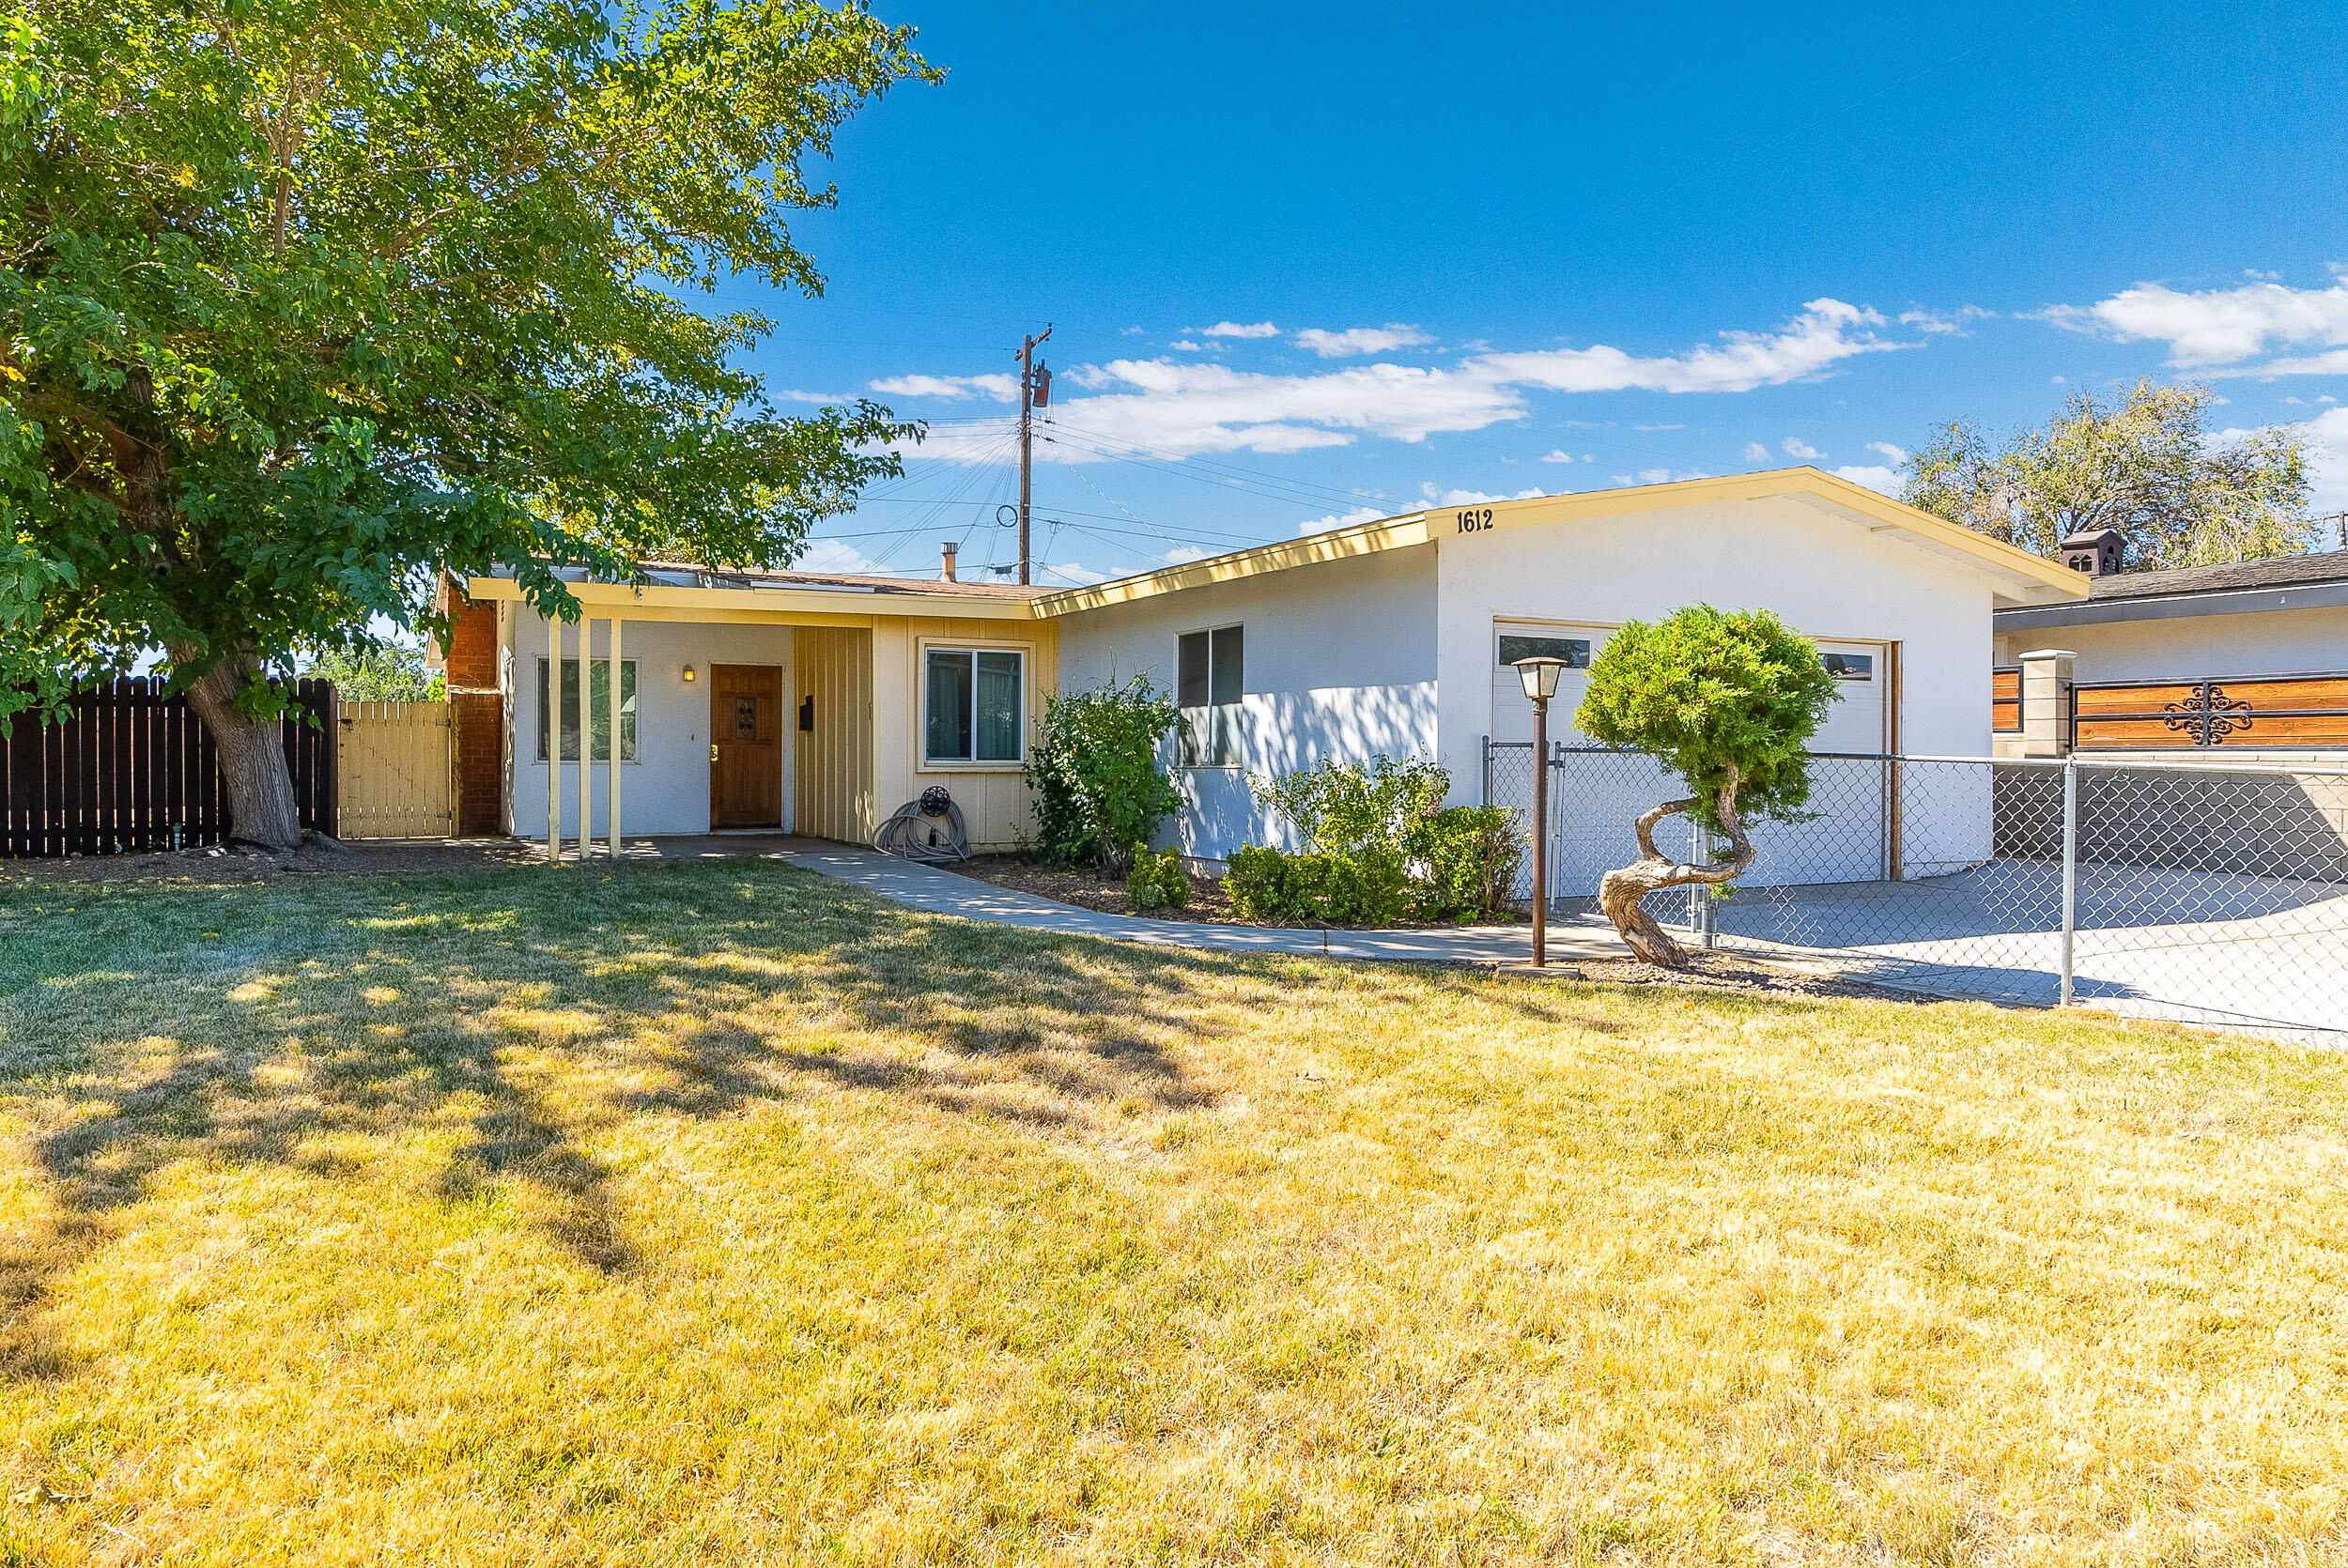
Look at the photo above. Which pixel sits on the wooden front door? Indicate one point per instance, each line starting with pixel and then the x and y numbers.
pixel 745 746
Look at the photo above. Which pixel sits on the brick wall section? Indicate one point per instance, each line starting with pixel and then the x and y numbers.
pixel 479 722
pixel 476 715
pixel 472 645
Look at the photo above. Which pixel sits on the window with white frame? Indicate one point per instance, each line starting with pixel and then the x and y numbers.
pixel 1209 678
pixel 598 710
pixel 973 700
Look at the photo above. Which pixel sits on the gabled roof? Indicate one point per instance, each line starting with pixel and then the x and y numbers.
pixel 2022 578
pixel 2280 572
pixel 2292 582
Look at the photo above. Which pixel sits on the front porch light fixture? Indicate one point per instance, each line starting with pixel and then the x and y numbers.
pixel 688 675
pixel 1539 676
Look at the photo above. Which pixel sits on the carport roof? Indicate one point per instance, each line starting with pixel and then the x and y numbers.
pixel 2021 579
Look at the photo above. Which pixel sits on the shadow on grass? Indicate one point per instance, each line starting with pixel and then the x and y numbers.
pixel 273 1025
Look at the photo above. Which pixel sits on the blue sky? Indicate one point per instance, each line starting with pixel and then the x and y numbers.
pixel 1313 261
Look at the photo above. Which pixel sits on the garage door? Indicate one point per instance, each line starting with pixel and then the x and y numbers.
pixel 1844 839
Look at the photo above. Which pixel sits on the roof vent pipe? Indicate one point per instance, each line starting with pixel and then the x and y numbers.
pixel 948 549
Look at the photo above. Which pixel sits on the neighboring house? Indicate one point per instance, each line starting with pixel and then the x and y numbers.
pixel 1392 637
pixel 2251 657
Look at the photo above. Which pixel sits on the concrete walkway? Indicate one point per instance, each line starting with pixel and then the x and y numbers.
pixel 907 881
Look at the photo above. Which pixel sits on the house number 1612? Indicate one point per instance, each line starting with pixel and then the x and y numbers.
pixel 1473 520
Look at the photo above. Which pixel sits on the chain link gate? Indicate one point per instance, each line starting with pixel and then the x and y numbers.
pixel 2205 893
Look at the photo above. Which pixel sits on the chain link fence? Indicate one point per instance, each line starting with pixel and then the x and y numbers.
pixel 2207 893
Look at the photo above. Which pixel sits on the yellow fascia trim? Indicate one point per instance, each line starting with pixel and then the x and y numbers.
pixel 1387 533
pixel 793 606
pixel 1417 528
pixel 1769 484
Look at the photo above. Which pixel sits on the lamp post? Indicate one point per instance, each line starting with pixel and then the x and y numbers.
pixel 1539 676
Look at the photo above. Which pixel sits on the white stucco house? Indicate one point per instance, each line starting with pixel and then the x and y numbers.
pixel 823 703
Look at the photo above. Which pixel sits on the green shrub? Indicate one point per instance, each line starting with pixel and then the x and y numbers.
pixel 1464 861
pixel 1379 843
pixel 1093 771
pixel 1157 879
pixel 1370 888
pixel 1339 807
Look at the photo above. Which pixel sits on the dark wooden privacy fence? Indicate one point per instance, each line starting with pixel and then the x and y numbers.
pixel 126 768
pixel 2295 712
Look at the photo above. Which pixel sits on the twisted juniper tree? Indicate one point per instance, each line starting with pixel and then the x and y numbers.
pixel 305 301
pixel 1729 700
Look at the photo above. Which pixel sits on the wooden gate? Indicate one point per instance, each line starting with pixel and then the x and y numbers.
pixel 396 771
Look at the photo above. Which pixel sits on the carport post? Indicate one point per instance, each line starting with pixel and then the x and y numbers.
pixel 552 719
pixel 611 693
pixel 2070 868
pixel 586 736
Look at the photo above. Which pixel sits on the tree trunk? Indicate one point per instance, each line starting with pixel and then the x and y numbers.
pixel 1619 894
pixel 252 759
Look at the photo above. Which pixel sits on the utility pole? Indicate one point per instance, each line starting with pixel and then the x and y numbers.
pixel 1027 400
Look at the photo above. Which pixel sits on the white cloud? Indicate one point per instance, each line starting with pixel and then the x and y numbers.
pixel 1002 389
pixel 1186 406
pixel 1186 345
pixel 1659 476
pixel 1755 453
pixel 1826 332
pixel 1071 574
pixel 1183 555
pixel 793 394
pixel 1130 332
pixel 1437 496
pixel 1943 322
pixel 1558 454
pixel 1242 330
pixel 1874 476
pixel 836 556
pixel 1892 454
pixel 1341 519
pixel 1659 427
pixel 1796 447
pixel 2327 397
pixel 2222 326
pixel 1361 340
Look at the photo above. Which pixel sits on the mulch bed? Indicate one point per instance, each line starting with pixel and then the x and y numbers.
pixel 1718 970
pixel 1208 902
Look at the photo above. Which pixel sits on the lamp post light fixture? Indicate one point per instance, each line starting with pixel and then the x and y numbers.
pixel 1539 676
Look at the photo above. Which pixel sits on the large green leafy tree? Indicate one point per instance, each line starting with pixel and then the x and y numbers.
pixel 1727 700
pixel 2146 465
pixel 306 302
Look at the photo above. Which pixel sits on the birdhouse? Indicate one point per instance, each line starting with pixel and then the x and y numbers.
pixel 2093 551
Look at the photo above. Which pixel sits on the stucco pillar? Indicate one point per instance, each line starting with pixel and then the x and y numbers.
pixel 2046 702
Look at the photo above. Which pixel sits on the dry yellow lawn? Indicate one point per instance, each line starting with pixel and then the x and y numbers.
pixel 709 1212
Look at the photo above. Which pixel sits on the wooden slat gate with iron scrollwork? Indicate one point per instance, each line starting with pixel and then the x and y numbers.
pixel 2279 712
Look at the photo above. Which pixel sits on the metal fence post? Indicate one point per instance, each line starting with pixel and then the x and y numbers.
pixel 2070 869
